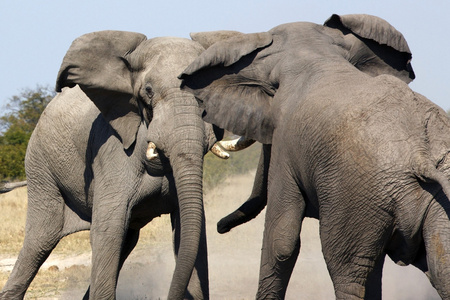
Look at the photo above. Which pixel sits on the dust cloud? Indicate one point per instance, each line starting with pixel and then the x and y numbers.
pixel 234 260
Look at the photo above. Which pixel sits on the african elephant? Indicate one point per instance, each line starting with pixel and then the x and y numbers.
pixel 119 145
pixel 351 145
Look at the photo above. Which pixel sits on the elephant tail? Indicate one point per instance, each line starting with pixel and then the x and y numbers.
pixel 9 186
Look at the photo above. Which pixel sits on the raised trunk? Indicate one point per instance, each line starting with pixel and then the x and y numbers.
pixel 186 158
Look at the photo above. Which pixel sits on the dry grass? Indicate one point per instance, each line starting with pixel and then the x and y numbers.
pixel 48 283
pixel 13 208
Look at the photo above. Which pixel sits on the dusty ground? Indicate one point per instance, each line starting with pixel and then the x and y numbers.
pixel 234 261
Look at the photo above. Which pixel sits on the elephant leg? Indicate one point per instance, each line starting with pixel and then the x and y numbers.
pixel 198 287
pixel 130 242
pixel 45 222
pixel 257 200
pixel 281 241
pixel 353 246
pixel 109 227
pixel 436 230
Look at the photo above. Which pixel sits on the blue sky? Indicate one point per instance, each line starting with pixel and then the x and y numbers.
pixel 36 34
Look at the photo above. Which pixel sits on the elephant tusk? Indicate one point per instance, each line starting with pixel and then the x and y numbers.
pixel 219 152
pixel 151 151
pixel 236 144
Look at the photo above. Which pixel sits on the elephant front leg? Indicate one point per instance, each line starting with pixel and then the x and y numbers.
pixel 129 244
pixel 353 241
pixel 281 242
pixel 108 231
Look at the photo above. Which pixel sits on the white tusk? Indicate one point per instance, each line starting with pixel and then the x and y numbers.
pixel 151 151
pixel 219 152
pixel 236 144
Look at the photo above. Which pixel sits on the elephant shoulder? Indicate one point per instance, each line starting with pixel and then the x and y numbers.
pixel 71 105
pixel 68 116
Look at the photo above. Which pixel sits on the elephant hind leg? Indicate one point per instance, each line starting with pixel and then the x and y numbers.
pixel 43 231
pixel 281 241
pixel 353 247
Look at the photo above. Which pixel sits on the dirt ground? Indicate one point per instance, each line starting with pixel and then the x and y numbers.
pixel 234 260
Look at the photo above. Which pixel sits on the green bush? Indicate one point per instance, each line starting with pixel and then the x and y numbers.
pixel 17 124
pixel 11 161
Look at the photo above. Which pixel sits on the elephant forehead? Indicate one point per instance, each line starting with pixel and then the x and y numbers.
pixel 164 50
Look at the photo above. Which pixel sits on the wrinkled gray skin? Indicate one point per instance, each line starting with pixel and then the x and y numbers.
pixel 88 170
pixel 352 145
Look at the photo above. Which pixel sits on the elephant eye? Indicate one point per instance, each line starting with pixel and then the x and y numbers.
pixel 149 91
pixel 147 94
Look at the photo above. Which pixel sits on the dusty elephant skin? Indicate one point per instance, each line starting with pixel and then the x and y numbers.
pixel 91 170
pixel 348 142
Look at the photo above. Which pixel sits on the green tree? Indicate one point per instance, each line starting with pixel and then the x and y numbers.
pixel 16 125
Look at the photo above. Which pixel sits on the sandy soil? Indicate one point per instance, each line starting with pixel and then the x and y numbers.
pixel 234 260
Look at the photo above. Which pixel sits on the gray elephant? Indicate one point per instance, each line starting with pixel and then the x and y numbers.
pixel 351 145
pixel 113 172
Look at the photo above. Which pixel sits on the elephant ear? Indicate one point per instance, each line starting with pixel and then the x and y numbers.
pixel 97 62
pixel 207 38
pixel 232 100
pixel 388 44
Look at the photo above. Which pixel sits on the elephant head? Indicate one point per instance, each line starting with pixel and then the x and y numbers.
pixel 242 80
pixel 133 82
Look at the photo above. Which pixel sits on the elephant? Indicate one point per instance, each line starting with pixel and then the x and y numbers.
pixel 350 145
pixel 119 145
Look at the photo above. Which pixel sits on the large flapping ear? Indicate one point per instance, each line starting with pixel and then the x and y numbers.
pixel 97 63
pixel 232 97
pixel 207 38
pixel 387 43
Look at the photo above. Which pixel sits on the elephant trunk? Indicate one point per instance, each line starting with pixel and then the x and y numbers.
pixel 186 158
